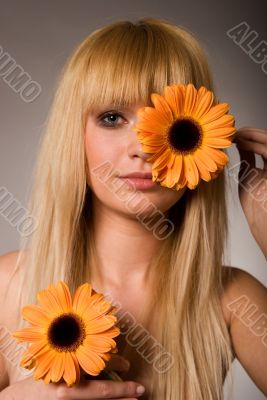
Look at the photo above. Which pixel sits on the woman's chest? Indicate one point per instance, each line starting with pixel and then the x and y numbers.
pixel 137 344
pixel 139 372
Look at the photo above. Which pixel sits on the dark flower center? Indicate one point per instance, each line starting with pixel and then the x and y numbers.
pixel 185 135
pixel 66 332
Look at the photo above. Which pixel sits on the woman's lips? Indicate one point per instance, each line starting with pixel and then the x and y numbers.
pixel 140 183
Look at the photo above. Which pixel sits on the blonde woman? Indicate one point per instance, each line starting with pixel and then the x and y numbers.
pixel 174 287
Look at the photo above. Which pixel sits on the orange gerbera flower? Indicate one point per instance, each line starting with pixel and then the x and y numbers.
pixel 67 334
pixel 185 131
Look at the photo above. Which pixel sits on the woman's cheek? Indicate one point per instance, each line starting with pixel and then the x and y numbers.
pixel 103 175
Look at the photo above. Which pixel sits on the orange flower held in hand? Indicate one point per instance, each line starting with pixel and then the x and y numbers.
pixel 66 334
pixel 185 131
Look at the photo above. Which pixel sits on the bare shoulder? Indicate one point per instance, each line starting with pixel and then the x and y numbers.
pixel 9 289
pixel 9 281
pixel 236 283
pixel 245 307
pixel 7 267
pixel 229 276
pixel 7 262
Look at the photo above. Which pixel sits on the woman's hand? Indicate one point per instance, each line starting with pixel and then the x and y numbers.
pixel 102 389
pixel 252 185
pixel 31 389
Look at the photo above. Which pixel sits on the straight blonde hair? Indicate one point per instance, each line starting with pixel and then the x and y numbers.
pixel 123 63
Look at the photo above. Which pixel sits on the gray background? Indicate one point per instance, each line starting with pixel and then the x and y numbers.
pixel 40 35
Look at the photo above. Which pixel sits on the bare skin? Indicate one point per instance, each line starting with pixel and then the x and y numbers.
pixel 124 260
pixel 15 384
pixel 243 283
pixel 119 234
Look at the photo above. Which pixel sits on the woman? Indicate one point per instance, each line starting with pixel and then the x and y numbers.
pixel 176 289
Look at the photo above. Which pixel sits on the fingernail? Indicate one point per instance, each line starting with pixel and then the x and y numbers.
pixel 140 389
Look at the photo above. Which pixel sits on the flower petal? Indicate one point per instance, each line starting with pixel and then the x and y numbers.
pixel 214 113
pixel 174 95
pixel 217 142
pixel 64 296
pixel 101 325
pixel 171 159
pixel 57 368
pixel 69 374
pixel 190 99
pixel 182 181
pixel 29 334
pixel 224 121
pixel 99 343
pixel 47 377
pixel 206 159
pixel 191 172
pixel 203 104
pixel 32 352
pixel 77 367
pixel 81 298
pixel 203 171
pixel 49 302
pixel 162 107
pixel 35 315
pixel 91 362
pixel 177 168
pixel 154 140
pixel 163 150
pixel 98 310
pixel 147 148
pixel 161 161
pixel 151 121
pixel 43 364
pixel 221 133
pixel 112 332
pixel 217 155
pixel 173 175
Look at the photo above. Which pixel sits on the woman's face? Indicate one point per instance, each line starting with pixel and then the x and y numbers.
pixel 113 149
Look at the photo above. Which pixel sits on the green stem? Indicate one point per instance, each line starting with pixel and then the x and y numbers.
pixel 113 375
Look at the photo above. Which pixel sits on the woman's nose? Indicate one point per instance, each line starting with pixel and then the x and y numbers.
pixel 134 146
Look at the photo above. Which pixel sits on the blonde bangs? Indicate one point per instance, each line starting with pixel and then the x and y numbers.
pixel 123 63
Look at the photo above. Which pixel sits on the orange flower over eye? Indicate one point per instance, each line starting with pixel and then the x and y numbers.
pixel 185 132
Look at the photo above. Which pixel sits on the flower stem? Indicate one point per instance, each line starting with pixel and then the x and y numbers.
pixel 113 376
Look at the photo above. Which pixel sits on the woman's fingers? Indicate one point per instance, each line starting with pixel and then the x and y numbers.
pixel 102 389
pixel 253 147
pixel 257 148
pixel 251 134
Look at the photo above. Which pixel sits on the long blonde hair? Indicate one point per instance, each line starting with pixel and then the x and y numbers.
pixel 123 63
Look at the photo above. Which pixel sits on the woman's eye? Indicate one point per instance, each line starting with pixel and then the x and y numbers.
pixel 110 119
